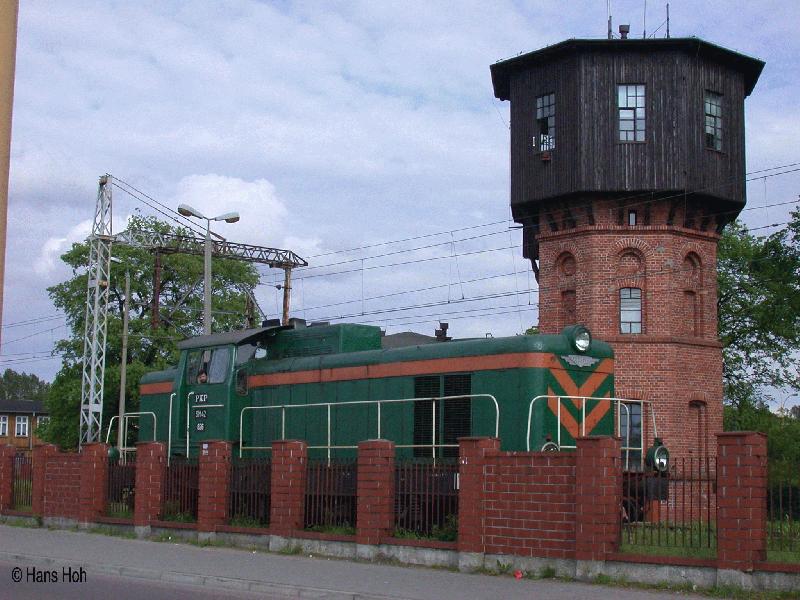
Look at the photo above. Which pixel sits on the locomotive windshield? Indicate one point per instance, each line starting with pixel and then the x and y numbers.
pixel 208 366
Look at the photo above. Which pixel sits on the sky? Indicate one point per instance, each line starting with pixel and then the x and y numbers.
pixel 364 136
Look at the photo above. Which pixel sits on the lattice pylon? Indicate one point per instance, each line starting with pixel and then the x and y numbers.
pixel 96 323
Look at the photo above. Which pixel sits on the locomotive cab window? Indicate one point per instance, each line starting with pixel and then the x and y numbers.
pixel 208 366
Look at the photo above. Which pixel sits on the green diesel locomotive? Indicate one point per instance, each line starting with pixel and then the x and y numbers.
pixel 336 385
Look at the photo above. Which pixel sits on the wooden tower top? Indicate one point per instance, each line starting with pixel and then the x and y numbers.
pixel 617 119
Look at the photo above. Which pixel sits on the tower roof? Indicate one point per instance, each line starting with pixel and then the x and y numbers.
pixel 502 71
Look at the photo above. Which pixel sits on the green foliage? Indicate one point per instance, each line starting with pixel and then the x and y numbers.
pixel 783 431
pixel 22 386
pixel 532 330
pixel 181 301
pixel 758 309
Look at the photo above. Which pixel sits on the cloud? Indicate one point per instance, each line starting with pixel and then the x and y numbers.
pixel 54 247
pixel 328 126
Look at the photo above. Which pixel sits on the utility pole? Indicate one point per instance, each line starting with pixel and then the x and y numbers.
pixel 123 372
pixel 287 293
pixel 8 60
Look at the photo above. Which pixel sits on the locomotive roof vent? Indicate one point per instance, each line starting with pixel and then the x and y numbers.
pixel 319 323
pixel 624 30
pixel 297 323
pixel 271 323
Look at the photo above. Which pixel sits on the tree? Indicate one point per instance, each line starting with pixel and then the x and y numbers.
pixel 181 301
pixel 759 310
pixel 22 386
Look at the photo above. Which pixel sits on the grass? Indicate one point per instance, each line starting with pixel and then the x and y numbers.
pixel 333 529
pixel 172 512
pixel 695 540
pixel 119 510
pixel 113 532
pixel 783 541
pixel 442 533
pixel 245 521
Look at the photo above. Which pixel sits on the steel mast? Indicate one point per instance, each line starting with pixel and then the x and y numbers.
pixel 96 316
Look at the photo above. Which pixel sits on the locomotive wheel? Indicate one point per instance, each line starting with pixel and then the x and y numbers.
pixel 550 447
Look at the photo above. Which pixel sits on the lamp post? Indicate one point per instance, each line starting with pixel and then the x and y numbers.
pixel 231 217
pixel 123 366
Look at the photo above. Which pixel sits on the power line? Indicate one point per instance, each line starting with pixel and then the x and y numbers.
pixel 647 195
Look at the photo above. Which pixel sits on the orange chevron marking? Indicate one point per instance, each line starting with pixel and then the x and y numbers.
pixel 590 386
pixel 568 421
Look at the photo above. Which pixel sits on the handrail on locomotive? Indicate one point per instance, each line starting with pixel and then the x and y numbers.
pixel 378 403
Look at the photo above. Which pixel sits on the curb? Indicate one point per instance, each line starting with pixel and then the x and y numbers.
pixel 281 590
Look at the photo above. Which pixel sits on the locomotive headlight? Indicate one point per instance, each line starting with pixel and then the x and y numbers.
pixel 578 336
pixel 583 339
pixel 657 457
pixel 661 459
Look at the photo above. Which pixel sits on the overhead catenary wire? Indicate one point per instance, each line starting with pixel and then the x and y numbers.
pixel 646 196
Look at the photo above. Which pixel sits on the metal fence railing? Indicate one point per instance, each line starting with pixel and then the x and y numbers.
pixel 249 490
pixel 783 512
pixel 674 510
pixel 426 499
pixel 181 487
pixel 121 488
pixel 330 502
pixel 22 493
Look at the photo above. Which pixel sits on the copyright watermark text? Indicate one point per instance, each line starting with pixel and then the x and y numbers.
pixel 40 575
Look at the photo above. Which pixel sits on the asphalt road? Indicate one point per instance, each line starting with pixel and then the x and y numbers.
pixel 103 587
pixel 127 568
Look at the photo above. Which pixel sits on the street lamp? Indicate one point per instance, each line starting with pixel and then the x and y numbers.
pixel 231 217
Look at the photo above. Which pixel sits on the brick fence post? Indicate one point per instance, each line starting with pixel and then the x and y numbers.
pixel 375 495
pixel 289 462
pixel 598 497
pixel 40 455
pixel 741 500
pixel 473 455
pixel 7 454
pixel 215 478
pixel 94 482
pixel 151 465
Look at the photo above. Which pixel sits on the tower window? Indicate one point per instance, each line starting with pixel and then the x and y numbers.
pixel 630 103
pixel 631 217
pixel 630 310
pixel 545 122
pixel 713 120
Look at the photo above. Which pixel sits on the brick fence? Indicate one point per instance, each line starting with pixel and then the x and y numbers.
pixel 532 505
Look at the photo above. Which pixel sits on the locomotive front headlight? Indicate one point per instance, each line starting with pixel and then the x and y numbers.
pixel 657 457
pixel 583 339
pixel 661 459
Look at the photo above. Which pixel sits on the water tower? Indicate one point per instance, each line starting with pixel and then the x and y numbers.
pixel 627 161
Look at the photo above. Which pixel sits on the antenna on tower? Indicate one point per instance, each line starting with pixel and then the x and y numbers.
pixel 667 20
pixel 644 21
